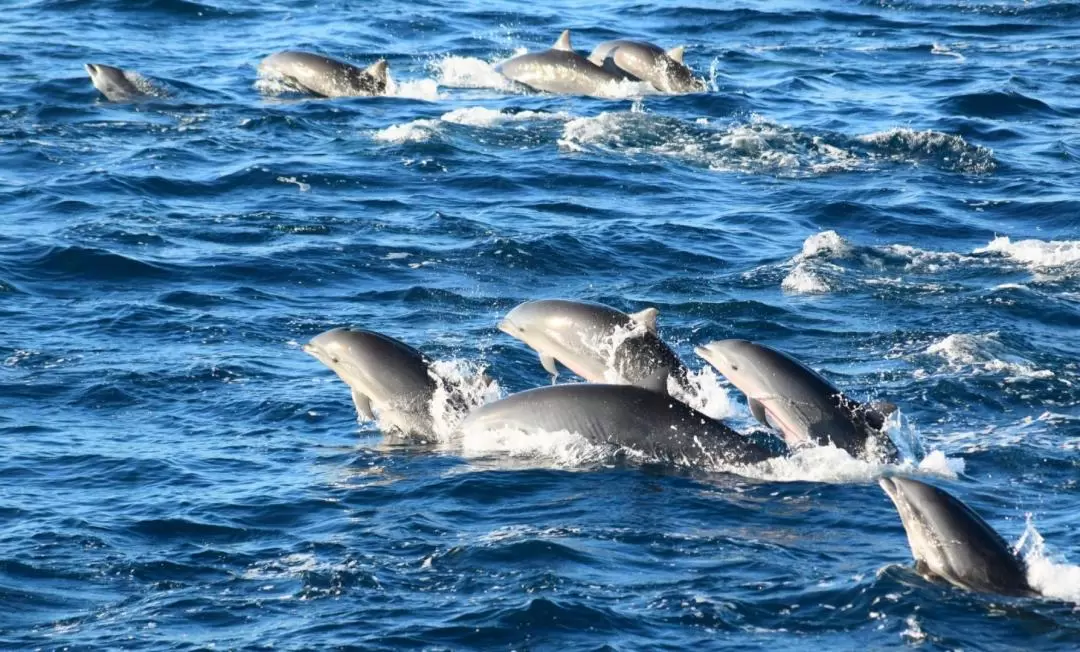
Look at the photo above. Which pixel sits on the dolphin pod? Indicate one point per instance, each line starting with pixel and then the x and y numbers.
pixel 647 62
pixel 951 542
pixel 325 77
pixel 629 417
pixel 597 342
pixel 785 394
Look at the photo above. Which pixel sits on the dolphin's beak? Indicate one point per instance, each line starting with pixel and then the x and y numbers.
pixel 702 352
pixel 310 349
pixel 91 69
pixel 888 485
pixel 508 327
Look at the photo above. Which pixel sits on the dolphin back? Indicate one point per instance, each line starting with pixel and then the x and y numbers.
pixel 641 420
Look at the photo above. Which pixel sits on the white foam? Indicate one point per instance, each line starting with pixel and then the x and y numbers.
pixel 469 72
pixel 1050 575
pixel 826 244
pixel 1038 254
pixel 952 152
pixel 463 386
pixel 943 50
pixel 417 131
pixel 416 89
pixel 834 465
pixel 304 187
pixel 561 449
pixel 706 394
pixel 984 353
pixel 478 116
pixel 803 280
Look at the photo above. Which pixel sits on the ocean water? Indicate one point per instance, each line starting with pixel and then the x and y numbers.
pixel 887 190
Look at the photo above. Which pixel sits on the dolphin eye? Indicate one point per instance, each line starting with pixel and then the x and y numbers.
pixel 334 359
pixel 734 367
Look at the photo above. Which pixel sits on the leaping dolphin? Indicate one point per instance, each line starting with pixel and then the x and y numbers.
pixel 665 70
pixel 597 342
pixel 661 428
pixel 385 375
pixel 319 75
pixel 799 402
pixel 560 70
pixel 116 84
pixel 950 541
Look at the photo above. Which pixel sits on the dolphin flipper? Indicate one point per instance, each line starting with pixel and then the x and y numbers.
pixel 363 405
pixel 548 363
pixel 757 408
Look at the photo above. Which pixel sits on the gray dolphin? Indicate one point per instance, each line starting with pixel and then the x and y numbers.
pixel 597 342
pixel 384 374
pixel 648 422
pixel 647 62
pixel 787 395
pixel 116 84
pixel 319 75
pixel 560 70
pixel 950 541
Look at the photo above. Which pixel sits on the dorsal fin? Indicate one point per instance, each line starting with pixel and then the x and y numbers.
pixel 676 54
pixel 377 69
pixel 646 318
pixel 564 42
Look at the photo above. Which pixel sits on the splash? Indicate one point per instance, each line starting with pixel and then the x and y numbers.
pixel 416 89
pixel 834 465
pixel 462 387
pixel 560 449
pixel 947 151
pixel 803 280
pixel 1036 254
pixel 417 131
pixel 1048 574
pixel 470 72
pixel 704 393
pixel 478 116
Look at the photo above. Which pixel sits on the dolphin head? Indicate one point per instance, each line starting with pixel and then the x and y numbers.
pixel 950 541
pixel 112 82
pixel 750 367
pixel 578 334
pixel 380 367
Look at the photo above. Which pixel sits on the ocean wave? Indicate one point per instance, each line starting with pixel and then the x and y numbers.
pixel 985 353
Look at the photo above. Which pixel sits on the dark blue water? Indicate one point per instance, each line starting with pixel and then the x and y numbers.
pixel 888 190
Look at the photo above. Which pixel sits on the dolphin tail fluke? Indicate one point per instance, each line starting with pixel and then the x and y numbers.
pixel 363 405
pixel 647 318
pixel 676 54
pixel 564 42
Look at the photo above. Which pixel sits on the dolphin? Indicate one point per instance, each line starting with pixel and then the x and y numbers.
pixel 950 541
pixel 384 374
pixel 647 62
pixel 560 70
pixel 116 84
pixel 597 342
pixel 634 418
pixel 319 75
pixel 789 396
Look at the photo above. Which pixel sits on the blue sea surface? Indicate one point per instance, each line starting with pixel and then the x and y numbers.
pixel 887 190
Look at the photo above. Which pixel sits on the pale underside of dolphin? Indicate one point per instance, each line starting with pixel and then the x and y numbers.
pixel 386 376
pixel 649 423
pixel 560 70
pixel 665 70
pixel 949 541
pixel 597 342
pixel 118 85
pixel 785 394
pixel 320 75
